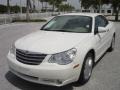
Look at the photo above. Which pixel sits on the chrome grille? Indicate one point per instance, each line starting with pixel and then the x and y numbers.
pixel 30 58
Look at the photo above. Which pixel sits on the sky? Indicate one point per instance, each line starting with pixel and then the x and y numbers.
pixel 74 3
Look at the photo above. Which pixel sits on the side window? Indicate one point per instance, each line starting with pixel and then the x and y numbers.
pixel 106 21
pixel 100 21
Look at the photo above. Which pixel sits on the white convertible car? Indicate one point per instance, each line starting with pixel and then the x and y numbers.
pixel 64 50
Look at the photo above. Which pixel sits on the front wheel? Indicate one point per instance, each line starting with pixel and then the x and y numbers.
pixel 112 46
pixel 87 68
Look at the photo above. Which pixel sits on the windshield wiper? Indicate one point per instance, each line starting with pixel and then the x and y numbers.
pixel 63 30
pixel 45 29
pixel 58 30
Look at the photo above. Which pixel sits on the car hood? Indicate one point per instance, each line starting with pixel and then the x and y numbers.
pixel 49 42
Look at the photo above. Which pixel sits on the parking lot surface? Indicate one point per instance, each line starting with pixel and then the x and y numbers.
pixel 105 76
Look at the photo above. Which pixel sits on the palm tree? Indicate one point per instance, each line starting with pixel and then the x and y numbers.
pixel 46 2
pixel 55 3
pixel 42 1
pixel 28 6
pixel 20 6
pixel 8 6
pixel 52 2
pixel 34 8
pixel 96 4
pixel 58 3
pixel 116 8
pixel 86 3
pixel 115 5
pixel 66 7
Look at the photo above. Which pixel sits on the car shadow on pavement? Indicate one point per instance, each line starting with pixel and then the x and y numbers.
pixel 98 61
pixel 25 85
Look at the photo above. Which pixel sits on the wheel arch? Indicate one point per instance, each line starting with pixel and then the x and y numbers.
pixel 89 51
pixel 93 52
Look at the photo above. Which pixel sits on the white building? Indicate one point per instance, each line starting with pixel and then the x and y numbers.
pixel 105 9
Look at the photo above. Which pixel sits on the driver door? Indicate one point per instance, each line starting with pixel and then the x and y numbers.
pixel 101 38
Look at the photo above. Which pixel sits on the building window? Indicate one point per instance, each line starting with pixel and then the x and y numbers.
pixel 103 11
pixel 95 11
pixel 85 10
pixel 108 11
pixel 98 11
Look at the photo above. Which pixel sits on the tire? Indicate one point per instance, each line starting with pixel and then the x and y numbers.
pixel 112 46
pixel 86 69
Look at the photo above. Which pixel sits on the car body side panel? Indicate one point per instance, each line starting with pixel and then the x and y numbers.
pixel 82 50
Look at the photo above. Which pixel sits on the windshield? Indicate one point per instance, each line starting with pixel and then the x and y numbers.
pixel 70 23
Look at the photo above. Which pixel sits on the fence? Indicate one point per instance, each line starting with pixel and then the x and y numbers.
pixel 4 18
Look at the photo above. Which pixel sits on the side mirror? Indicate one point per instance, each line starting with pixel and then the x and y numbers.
pixel 101 30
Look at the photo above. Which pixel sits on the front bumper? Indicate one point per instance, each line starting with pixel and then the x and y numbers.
pixel 45 73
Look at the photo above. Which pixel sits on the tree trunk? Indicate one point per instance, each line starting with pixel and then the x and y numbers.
pixel 46 6
pixel 53 8
pixel 117 14
pixel 34 8
pixel 8 6
pixel 42 5
pixel 20 6
pixel 27 11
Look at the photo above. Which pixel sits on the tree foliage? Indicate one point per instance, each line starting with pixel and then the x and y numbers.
pixel 66 7
pixel 92 3
pixel 3 9
pixel 13 9
pixel 97 3
pixel 86 3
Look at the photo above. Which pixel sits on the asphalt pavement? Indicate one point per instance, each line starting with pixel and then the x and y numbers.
pixel 105 76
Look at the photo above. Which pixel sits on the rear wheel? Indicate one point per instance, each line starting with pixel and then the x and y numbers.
pixel 87 68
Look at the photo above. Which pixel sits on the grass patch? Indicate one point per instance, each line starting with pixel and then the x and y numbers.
pixel 34 20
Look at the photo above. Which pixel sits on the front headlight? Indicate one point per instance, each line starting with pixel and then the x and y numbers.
pixel 63 58
pixel 12 49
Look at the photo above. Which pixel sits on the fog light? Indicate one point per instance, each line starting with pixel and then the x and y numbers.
pixel 52 81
